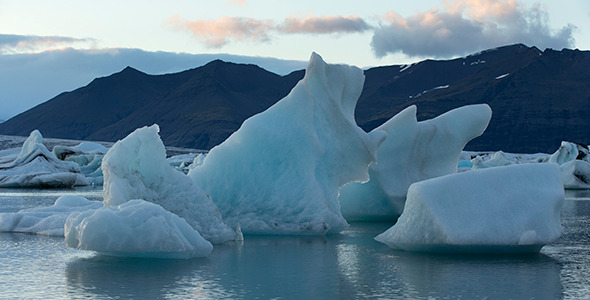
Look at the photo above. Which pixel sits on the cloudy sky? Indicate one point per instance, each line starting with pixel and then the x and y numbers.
pixel 47 47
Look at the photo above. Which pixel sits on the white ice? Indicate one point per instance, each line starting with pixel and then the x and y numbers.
pixel 46 220
pixel 514 208
pixel 280 172
pixel 136 168
pixel 575 174
pixel 413 151
pixel 574 161
pixel 88 156
pixel 135 228
pixel 37 167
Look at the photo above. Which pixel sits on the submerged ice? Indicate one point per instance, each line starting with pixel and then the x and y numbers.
pixel 413 151
pixel 280 172
pixel 504 209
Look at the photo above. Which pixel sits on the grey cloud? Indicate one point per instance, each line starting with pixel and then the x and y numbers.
pixel 445 33
pixel 12 43
pixel 325 24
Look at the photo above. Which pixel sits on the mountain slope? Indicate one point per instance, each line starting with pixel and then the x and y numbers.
pixel 538 98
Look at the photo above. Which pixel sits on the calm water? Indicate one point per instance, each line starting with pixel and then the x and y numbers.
pixel 350 265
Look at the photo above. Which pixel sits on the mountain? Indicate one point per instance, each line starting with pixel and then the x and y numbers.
pixel 538 99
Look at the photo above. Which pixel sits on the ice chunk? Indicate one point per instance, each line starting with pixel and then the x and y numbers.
pixel 46 220
pixel 280 172
pixel 37 167
pixel 136 168
pixel 413 151
pixel 135 228
pixel 514 208
pixel 569 151
pixel 87 155
pixel 182 162
pixel 575 174
pixel 498 159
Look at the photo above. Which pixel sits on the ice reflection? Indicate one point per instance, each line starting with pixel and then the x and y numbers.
pixel 476 277
pixel 347 266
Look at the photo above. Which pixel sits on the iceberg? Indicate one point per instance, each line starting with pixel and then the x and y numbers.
pixel 88 156
pixel 575 174
pixel 136 168
pixel 413 151
pixel 135 228
pixel 37 167
pixel 279 173
pixel 46 220
pixel 514 208
pixel 569 151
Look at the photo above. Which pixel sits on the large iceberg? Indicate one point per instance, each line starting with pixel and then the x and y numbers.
pixel 37 167
pixel 136 168
pixel 48 220
pixel 504 209
pixel 413 151
pixel 280 172
pixel 135 228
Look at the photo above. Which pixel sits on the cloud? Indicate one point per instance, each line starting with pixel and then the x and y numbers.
pixel 12 43
pixel 464 26
pixel 324 24
pixel 237 2
pixel 218 33
pixel 27 79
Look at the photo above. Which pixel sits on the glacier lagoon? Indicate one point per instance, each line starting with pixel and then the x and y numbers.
pixel 349 265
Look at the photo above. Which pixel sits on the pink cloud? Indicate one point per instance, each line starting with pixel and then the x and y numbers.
pixel 324 24
pixel 217 33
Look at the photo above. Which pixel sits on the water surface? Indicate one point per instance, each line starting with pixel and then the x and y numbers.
pixel 349 265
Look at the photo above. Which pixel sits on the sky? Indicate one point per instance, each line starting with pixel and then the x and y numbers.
pixel 49 47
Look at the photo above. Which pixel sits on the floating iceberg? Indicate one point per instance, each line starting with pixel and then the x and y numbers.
pixel 575 174
pixel 280 172
pixel 504 209
pixel 413 151
pixel 183 162
pixel 37 167
pixel 46 220
pixel 87 155
pixel 569 151
pixel 135 228
pixel 136 168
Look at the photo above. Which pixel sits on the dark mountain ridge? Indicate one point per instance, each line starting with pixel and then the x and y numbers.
pixel 538 98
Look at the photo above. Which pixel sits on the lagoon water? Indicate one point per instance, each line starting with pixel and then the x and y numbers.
pixel 350 265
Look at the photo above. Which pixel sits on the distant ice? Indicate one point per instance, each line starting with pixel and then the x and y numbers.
pixel 504 209
pixel 36 167
pixel 136 168
pixel 573 159
pixel 46 220
pixel 88 156
pixel 280 172
pixel 135 228
pixel 413 151
pixel 575 174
